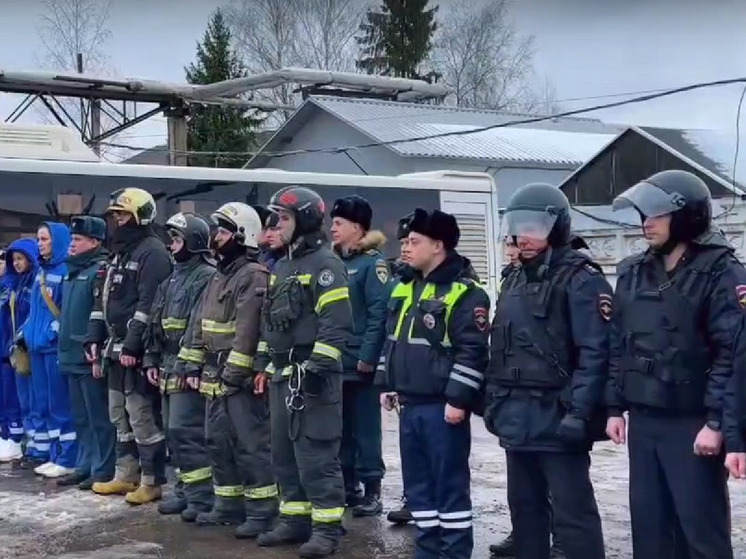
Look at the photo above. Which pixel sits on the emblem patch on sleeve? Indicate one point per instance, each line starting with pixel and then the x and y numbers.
pixel 326 278
pixel 604 306
pixel 741 295
pixel 481 320
pixel 382 271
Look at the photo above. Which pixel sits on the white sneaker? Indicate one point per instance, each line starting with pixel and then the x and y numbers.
pixel 10 450
pixel 41 470
pixel 55 471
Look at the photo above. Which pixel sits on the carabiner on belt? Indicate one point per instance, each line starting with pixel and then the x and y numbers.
pixel 295 401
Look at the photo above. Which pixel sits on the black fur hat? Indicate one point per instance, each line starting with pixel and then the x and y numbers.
pixel 437 225
pixel 355 209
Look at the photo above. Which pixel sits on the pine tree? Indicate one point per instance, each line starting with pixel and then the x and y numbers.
pixel 396 38
pixel 214 128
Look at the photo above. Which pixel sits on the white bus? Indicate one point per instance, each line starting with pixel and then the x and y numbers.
pixel 32 190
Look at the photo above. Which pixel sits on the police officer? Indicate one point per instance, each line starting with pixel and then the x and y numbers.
pixel 141 262
pixel 183 408
pixel 360 250
pixel 434 361
pixel 222 348
pixel 399 270
pixel 306 322
pixel 678 305
pixel 548 354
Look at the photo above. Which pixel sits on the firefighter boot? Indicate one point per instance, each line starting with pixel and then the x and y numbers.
pixel 144 494
pixel 287 531
pixel 371 503
pixel 227 511
pixel 261 516
pixel 401 516
pixel 192 511
pixel 113 487
pixel 172 505
pixel 324 541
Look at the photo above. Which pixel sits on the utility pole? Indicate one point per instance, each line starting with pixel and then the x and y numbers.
pixel 94 131
pixel 177 134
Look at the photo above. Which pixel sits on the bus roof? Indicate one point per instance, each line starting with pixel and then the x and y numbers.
pixel 43 143
pixel 434 180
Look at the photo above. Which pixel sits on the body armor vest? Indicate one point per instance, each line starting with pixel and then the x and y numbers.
pixel 531 342
pixel 664 354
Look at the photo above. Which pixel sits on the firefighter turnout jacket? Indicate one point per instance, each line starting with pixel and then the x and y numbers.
pixel 223 338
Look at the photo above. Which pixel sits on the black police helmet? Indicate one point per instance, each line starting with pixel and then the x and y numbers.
pixel 306 206
pixel 193 229
pixel 680 193
pixel 541 208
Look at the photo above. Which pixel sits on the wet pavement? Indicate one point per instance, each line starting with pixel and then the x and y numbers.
pixel 37 520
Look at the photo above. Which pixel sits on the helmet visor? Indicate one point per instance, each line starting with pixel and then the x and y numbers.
pixel 534 224
pixel 649 200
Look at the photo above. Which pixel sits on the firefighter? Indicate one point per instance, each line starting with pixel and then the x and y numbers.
pixel 219 358
pixel 434 361
pixel 183 408
pixel 677 308
pixel 305 324
pixel 120 316
pixel 359 248
pixel 270 242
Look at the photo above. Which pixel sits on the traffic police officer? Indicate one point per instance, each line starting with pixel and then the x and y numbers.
pixel 434 361
pixel 677 307
pixel 361 453
pixel 548 355
pixel 141 262
pixel 306 322
pixel 183 408
pixel 222 346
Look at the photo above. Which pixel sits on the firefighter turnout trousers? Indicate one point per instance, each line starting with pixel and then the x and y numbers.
pixel 238 443
pixel 305 453
pixel 184 421
pixel 135 411
pixel 435 471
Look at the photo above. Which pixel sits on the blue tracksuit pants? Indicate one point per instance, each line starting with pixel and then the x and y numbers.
pixel 51 402
pixel 437 480
pixel 11 423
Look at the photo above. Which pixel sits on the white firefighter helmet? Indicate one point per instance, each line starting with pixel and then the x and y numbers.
pixel 243 219
pixel 136 201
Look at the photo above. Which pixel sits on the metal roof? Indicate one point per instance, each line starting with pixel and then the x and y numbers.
pixel 564 142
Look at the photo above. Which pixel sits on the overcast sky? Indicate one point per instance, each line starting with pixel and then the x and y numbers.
pixel 587 48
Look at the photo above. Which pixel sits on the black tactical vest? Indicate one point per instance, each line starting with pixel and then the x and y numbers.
pixel 665 359
pixel 531 343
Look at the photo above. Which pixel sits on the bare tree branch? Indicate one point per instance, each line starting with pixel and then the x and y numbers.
pixel 483 58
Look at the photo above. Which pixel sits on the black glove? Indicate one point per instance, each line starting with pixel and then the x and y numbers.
pixel 572 428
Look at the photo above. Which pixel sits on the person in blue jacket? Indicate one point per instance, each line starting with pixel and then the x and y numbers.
pixel 11 426
pixel 40 333
pixel 21 263
pixel 370 288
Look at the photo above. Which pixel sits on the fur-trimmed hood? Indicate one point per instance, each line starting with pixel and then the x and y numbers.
pixel 372 240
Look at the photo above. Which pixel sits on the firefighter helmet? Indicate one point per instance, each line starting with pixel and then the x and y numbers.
pixel 306 206
pixel 193 229
pixel 136 201
pixel 242 220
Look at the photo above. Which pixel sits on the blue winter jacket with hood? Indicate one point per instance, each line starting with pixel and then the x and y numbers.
pixel 20 284
pixel 41 328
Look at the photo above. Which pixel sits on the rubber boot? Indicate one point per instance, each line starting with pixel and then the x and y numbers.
pixel 505 548
pixel 144 494
pixel 225 512
pixel 371 503
pixel 261 517
pixel 113 487
pixel 286 532
pixel 172 505
pixel 192 511
pixel 402 515
pixel 324 541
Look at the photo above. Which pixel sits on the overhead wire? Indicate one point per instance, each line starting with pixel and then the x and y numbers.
pixel 654 94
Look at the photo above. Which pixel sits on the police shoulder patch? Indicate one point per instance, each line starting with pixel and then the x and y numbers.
pixel 481 319
pixel 604 306
pixel 326 277
pixel 741 295
pixel 382 271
